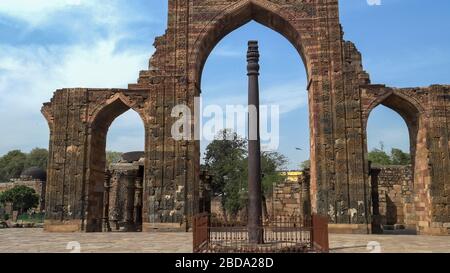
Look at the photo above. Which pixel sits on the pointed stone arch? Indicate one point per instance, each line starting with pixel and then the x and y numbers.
pixel 99 124
pixel 408 108
pixel 413 114
pixel 115 105
pixel 266 13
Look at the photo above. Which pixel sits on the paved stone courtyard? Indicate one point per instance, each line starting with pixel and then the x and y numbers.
pixel 35 240
pixel 389 243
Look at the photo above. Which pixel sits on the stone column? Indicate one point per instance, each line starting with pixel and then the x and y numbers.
pixel 131 188
pixel 114 199
pixel 42 197
pixel 106 225
pixel 255 232
pixel 138 201
pixel 304 179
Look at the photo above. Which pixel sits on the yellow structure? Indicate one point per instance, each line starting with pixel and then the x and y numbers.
pixel 291 176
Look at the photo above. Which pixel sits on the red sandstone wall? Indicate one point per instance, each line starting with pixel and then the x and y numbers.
pixel 340 100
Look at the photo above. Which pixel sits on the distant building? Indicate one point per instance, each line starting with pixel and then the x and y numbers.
pixel 291 176
pixel 122 200
pixel 34 178
pixel 292 197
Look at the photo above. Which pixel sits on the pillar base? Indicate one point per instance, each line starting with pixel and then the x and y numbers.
pixel 130 227
pixel 350 228
pixel 57 226
pixel 163 227
pixel 434 229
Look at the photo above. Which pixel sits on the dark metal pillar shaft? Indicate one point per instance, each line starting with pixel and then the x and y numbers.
pixel 255 232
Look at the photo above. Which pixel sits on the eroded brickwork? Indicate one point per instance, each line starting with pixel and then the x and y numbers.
pixel 291 198
pixel 392 197
pixel 340 99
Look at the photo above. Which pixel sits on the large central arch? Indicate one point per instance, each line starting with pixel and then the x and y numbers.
pixel 233 18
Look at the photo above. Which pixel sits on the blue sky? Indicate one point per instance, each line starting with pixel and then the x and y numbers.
pixel 51 44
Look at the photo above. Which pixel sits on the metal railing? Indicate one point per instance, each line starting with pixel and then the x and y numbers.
pixel 281 234
pixel 319 234
pixel 200 231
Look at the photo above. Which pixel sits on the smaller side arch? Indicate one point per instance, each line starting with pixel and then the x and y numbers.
pixel 99 123
pixel 409 109
pixel 412 112
pixel 395 100
pixel 113 107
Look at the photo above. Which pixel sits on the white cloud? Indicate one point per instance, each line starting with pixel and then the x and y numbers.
pixel 30 74
pixel 113 14
pixel 35 72
pixel 289 96
pixel 37 11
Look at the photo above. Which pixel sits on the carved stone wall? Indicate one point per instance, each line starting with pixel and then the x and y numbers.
pixel 340 97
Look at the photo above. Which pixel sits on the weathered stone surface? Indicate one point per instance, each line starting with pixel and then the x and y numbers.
pixel 340 94
pixel 292 198
pixel 392 197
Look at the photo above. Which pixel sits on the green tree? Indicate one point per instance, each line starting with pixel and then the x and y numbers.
pixel 227 162
pixel 377 156
pixel 271 164
pixel 224 161
pixel 23 198
pixel 12 165
pixel 113 157
pixel 223 158
pixel 234 197
pixel 37 158
pixel 398 157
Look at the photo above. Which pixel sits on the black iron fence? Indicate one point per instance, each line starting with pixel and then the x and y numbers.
pixel 281 234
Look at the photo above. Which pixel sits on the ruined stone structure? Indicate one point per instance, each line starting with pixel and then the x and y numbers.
pixel 122 202
pixel 392 198
pixel 341 98
pixel 292 197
